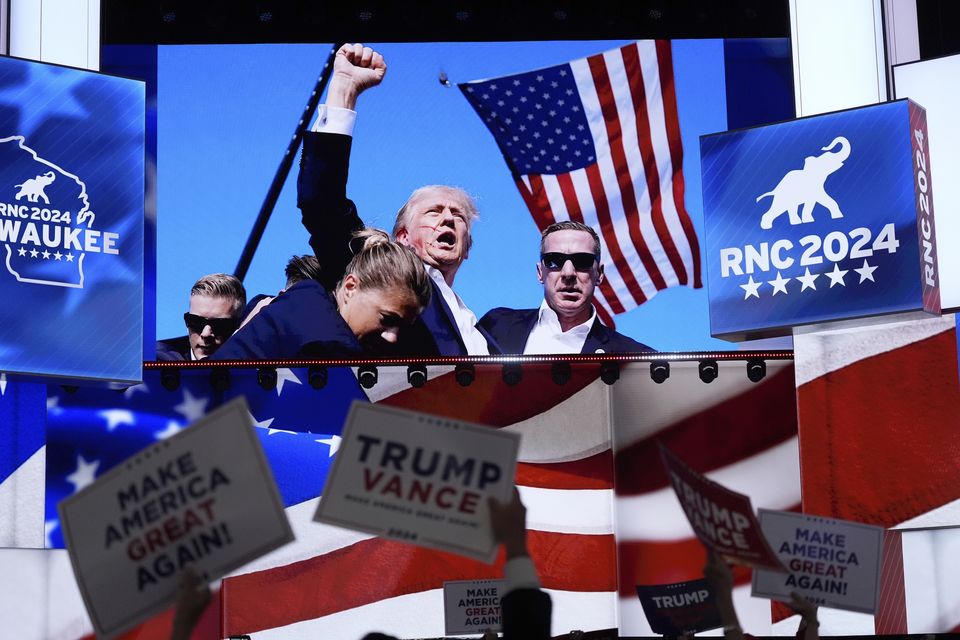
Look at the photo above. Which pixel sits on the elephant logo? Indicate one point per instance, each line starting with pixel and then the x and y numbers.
pixel 33 188
pixel 805 187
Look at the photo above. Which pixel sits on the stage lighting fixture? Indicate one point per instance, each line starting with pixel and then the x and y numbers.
pixel 417 375
pixel 220 379
pixel 465 373
pixel 610 372
pixel 512 373
pixel 708 370
pixel 267 378
pixel 170 378
pixel 560 372
pixel 317 376
pixel 367 375
pixel 756 369
pixel 659 371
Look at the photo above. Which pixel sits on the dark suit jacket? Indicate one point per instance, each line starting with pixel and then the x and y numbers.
pixel 251 304
pixel 511 328
pixel 331 218
pixel 174 349
pixel 526 615
pixel 302 322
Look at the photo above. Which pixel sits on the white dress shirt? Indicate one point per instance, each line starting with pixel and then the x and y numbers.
pixel 548 337
pixel 334 120
pixel 342 121
pixel 466 321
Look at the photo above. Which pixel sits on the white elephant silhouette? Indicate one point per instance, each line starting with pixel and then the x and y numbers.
pixel 33 188
pixel 805 186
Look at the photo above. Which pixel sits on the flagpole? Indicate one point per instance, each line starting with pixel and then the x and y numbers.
pixel 280 177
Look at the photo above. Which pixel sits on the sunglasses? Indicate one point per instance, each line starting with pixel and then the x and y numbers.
pixel 555 261
pixel 219 326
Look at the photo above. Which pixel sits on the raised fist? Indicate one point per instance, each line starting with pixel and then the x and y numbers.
pixel 356 68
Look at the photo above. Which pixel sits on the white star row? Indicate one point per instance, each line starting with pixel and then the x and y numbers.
pixel 46 254
pixel 808 280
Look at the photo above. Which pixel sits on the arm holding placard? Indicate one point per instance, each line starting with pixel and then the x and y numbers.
pixel 809 626
pixel 193 596
pixel 525 609
pixel 718 575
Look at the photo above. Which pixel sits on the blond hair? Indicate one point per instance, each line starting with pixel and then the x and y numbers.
pixel 221 285
pixel 380 263
pixel 571 225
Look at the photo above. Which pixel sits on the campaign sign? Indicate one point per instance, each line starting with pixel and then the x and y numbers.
pixel 722 519
pixel 680 608
pixel 833 563
pixel 203 497
pixel 472 606
pixel 419 478
pixel 71 222
pixel 819 219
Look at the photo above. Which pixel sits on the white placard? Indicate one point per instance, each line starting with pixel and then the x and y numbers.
pixel 472 606
pixel 419 478
pixel 204 497
pixel 832 563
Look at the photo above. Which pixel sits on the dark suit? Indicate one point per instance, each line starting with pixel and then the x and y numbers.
pixel 251 304
pixel 302 322
pixel 526 615
pixel 174 349
pixel 511 328
pixel 331 218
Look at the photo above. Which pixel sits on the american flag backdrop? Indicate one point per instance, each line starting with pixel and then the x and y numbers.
pixel 597 140
pixel 591 545
pixel 331 581
pixel 740 434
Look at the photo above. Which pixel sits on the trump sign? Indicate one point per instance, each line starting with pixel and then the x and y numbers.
pixel 819 219
pixel 71 222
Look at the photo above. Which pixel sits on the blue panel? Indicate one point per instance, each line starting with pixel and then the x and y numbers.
pixel 775 169
pixel 759 77
pixel 23 414
pixel 140 62
pixel 71 222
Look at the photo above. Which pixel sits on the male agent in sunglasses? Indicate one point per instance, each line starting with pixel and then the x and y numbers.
pixel 216 303
pixel 566 321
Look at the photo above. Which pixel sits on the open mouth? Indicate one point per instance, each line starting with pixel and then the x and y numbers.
pixel 447 240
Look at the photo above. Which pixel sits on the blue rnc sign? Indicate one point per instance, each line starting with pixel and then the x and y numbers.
pixel 71 222
pixel 819 219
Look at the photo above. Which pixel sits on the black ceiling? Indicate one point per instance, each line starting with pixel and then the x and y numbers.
pixel 238 21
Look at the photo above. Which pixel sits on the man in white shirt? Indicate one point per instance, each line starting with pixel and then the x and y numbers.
pixel 435 221
pixel 566 322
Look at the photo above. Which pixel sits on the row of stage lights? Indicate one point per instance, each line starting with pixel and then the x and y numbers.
pixel 464 374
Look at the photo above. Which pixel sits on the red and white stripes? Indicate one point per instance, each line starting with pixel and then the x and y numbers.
pixel 632 194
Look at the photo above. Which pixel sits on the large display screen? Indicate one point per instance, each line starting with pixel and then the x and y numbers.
pixel 71 222
pixel 636 109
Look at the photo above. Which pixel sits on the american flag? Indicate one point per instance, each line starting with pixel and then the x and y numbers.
pixel 597 140
pixel 330 581
pixel 590 545
pixel 740 434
